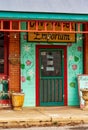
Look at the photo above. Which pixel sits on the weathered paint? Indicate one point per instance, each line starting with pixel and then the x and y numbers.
pixel 74 65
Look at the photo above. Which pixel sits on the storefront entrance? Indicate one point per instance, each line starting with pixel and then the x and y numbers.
pixel 51 75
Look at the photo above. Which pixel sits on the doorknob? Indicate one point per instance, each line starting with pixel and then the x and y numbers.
pixel 63 95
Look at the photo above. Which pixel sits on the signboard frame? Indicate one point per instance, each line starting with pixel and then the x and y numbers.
pixel 62 33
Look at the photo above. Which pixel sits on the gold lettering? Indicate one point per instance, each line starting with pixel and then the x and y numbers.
pixel 37 36
pixel 51 37
pixel 66 37
pixel 44 36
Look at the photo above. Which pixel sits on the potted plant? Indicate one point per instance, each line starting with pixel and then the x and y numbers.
pixel 4 81
pixel 4 99
pixel 4 96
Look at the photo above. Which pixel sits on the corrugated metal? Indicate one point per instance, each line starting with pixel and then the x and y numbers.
pixel 51 6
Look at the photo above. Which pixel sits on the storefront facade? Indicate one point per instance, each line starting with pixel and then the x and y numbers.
pixel 43 53
pixel 56 84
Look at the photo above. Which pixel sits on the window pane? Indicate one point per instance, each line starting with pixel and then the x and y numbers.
pixel 51 63
pixel 1 52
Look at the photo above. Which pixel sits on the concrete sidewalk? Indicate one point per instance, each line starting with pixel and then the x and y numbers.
pixel 42 116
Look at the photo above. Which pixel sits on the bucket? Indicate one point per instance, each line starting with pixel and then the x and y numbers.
pixel 17 101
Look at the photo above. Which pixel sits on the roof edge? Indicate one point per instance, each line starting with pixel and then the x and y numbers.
pixel 43 16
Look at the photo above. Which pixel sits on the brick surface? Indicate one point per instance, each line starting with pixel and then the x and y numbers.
pixel 14 69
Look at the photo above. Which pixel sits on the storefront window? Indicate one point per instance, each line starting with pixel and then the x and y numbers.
pixel 1 52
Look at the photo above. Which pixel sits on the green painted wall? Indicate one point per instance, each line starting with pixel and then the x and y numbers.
pixel 27 69
pixel 75 67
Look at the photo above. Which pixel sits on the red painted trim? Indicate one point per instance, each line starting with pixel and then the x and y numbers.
pixel 85 45
pixel 37 76
pixel 65 77
pixel 37 70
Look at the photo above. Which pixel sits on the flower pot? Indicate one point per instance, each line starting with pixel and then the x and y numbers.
pixel 17 100
pixel 5 102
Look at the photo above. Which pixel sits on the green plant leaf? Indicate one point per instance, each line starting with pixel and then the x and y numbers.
pixel 76 58
pixel 22 66
pixel 28 78
pixel 72 84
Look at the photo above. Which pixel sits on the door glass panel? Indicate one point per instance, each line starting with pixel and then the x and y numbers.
pixel 1 53
pixel 51 76
pixel 51 63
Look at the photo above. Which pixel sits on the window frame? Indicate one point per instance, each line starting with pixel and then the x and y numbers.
pixel 5 42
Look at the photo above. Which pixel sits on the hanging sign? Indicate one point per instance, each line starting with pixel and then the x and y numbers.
pixel 50 35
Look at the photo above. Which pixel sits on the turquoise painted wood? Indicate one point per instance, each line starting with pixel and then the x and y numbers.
pixel 51 77
pixel 43 16
pixel 75 67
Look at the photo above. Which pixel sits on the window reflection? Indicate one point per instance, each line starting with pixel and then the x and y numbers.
pixel 51 62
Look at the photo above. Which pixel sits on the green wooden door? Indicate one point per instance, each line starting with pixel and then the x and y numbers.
pixel 51 77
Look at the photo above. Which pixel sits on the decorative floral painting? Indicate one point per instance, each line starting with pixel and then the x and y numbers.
pixel 75 67
pixel 28 74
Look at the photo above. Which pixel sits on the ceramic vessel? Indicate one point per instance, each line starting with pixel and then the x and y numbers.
pixel 17 101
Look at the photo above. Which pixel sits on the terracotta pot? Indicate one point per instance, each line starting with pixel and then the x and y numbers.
pixel 17 101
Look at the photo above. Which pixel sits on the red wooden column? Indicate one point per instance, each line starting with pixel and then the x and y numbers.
pixel 86 50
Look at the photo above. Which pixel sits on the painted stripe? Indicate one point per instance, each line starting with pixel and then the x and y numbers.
pixel 43 16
